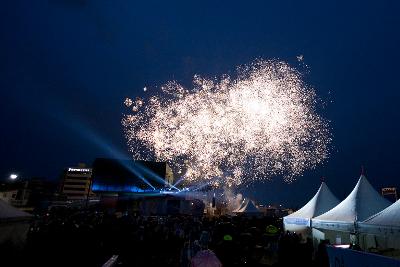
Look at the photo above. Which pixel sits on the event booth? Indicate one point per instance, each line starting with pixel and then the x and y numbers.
pixel 381 230
pixel 339 224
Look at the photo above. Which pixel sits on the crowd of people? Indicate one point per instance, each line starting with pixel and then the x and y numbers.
pixel 69 237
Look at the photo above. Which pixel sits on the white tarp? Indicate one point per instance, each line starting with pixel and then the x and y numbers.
pixel 359 205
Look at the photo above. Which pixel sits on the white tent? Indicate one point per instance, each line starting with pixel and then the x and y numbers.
pixel 9 213
pixel 322 201
pixel 248 209
pixel 382 229
pixel 389 218
pixel 242 204
pixel 360 204
pixel 14 224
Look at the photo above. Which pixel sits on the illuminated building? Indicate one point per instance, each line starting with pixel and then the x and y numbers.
pixel 390 193
pixel 76 183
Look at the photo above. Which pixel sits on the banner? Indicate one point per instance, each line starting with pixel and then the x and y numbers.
pixel 339 257
pixel 296 221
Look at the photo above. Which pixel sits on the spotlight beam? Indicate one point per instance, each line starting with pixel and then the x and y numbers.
pixel 95 138
pixel 154 175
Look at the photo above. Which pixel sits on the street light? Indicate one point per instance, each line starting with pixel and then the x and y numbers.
pixel 13 176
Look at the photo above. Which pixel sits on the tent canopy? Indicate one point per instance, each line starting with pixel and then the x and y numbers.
pixel 9 213
pixel 322 201
pixel 248 208
pixel 241 206
pixel 360 204
pixel 389 216
pixel 386 220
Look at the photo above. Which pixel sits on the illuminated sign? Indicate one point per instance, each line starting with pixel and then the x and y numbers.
pixel 297 221
pixel 78 170
pixel 389 190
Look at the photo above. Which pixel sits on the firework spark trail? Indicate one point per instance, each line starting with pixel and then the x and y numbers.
pixel 262 123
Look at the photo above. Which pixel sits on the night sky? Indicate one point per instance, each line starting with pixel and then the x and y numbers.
pixel 67 65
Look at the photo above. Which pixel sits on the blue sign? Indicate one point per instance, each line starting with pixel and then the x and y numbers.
pixel 296 221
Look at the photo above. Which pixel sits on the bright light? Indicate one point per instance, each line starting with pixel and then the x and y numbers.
pixel 13 176
pixel 254 126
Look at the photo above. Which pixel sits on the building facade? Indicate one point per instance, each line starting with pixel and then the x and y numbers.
pixel 76 183
pixel 390 193
pixel 29 195
pixel 16 194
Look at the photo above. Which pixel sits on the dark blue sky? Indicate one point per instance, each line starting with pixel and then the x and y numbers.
pixel 67 65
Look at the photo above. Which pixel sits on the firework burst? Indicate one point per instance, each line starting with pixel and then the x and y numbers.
pixel 261 124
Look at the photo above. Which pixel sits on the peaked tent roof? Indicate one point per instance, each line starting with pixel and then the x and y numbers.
pixel 386 222
pixel 249 208
pixel 242 204
pixel 322 201
pixel 360 204
pixel 8 212
pixel 388 217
